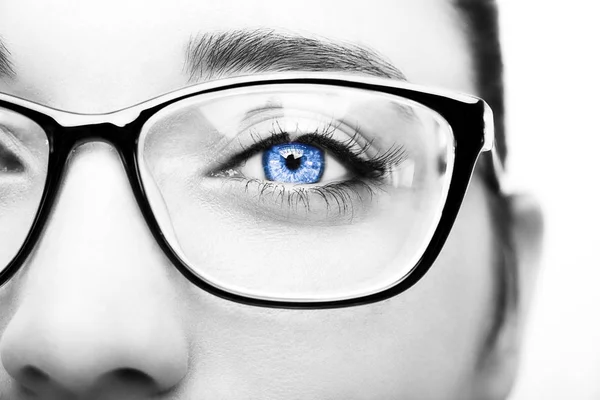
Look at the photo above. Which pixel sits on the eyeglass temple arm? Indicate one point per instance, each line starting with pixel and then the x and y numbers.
pixel 489 144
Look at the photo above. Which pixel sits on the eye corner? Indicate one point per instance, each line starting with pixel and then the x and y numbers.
pixel 10 163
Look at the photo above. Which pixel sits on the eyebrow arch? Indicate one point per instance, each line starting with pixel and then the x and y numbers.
pixel 6 68
pixel 216 55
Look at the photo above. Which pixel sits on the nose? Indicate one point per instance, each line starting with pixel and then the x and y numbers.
pixel 98 309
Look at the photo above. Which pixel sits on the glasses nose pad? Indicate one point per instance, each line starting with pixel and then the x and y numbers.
pixel 96 309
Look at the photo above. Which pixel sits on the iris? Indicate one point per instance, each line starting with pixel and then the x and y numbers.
pixel 293 163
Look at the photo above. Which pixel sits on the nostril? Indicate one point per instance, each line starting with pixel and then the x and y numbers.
pixel 34 375
pixel 126 380
pixel 33 380
pixel 132 381
pixel 132 376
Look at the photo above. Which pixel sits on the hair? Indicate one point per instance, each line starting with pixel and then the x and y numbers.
pixel 482 28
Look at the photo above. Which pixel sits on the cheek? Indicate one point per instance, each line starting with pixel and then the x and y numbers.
pixel 421 344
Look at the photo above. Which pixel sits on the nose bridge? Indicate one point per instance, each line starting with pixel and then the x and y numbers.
pixel 97 292
pixel 96 240
pixel 95 212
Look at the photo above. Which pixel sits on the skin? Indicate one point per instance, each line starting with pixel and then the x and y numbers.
pixel 66 314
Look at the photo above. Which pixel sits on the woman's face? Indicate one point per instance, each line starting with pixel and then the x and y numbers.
pixel 99 312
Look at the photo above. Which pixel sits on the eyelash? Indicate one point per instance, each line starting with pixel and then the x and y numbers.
pixel 369 173
pixel 9 161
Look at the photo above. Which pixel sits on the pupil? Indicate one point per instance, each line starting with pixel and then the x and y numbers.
pixel 293 163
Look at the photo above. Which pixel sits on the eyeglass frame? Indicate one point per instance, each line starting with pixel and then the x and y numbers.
pixel 469 117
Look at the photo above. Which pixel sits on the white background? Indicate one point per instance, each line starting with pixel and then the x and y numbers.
pixel 552 53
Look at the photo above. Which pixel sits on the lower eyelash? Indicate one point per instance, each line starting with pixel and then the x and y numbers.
pixel 341 199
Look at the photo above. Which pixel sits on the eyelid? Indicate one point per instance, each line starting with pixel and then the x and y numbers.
pixel 276 135
pixel 248 152
pixel 364 168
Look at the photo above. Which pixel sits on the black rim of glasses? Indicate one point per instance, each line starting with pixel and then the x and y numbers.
pixel 469 118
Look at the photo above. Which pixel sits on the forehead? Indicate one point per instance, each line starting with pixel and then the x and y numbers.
pixel 97 56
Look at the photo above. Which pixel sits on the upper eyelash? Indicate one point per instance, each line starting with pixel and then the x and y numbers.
pixel 375 167
pixel 12 153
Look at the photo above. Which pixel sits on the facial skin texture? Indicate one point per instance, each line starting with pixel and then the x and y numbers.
pixel 98 300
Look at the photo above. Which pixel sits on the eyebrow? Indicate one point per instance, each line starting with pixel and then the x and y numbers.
pixel 222 54
pixel 6 68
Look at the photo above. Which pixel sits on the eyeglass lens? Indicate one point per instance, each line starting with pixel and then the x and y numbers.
pixel 318 192
pixel 24 153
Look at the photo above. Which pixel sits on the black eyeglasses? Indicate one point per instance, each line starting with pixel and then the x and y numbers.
pixel 328 190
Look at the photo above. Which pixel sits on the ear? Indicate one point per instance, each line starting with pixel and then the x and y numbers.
pixel 497 371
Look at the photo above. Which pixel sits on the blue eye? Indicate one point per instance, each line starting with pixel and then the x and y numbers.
pixel 293 163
